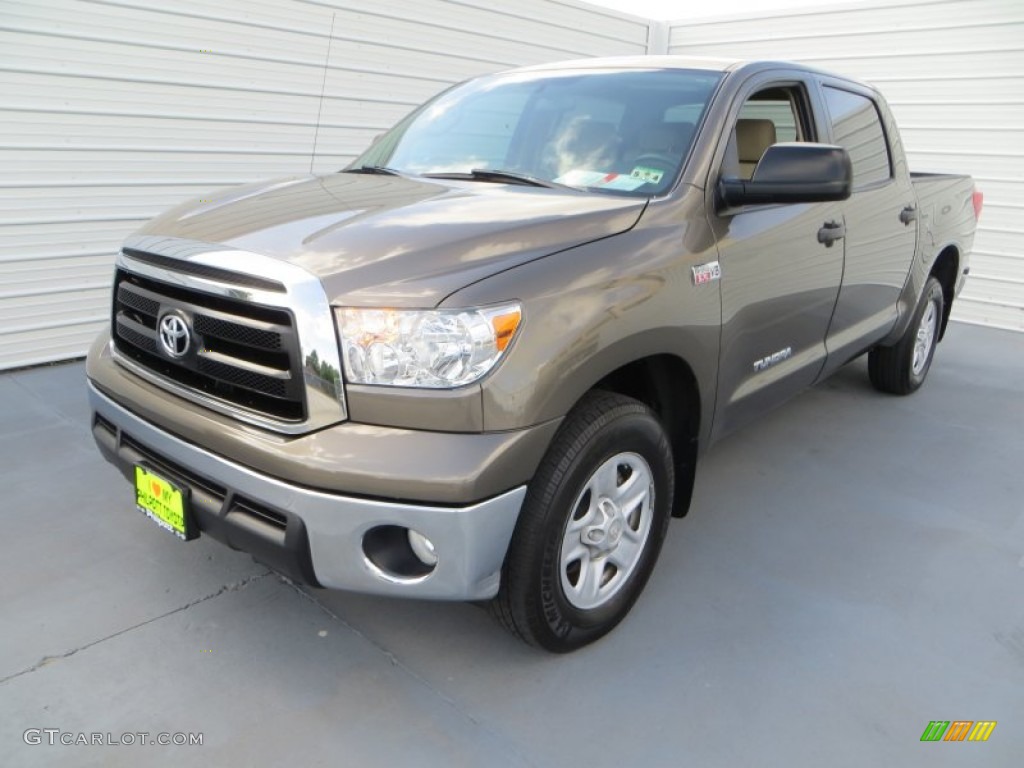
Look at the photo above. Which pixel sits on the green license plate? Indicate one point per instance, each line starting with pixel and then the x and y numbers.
pixel 163 502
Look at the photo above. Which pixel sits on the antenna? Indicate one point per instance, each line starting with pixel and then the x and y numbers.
pixel 323 85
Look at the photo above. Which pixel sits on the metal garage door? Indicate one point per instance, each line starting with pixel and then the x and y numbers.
pixel 113 110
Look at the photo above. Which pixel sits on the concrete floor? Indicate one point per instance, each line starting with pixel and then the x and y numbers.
pixel 852 569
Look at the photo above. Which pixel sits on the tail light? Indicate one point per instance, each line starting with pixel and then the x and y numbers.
pixel 978 198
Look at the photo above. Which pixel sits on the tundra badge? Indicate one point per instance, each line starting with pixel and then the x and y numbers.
pixel 773 359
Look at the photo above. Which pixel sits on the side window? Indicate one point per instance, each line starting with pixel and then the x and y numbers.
pixel 782 114
pixel 857 128
pixel 768 117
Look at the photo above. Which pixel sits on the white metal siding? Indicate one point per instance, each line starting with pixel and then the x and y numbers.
pixel 953 73
pixel 113 110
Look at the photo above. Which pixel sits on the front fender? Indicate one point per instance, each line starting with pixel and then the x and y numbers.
pixel 593 309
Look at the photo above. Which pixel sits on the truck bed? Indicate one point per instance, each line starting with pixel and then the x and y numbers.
pixel 952 189
pixel 945 207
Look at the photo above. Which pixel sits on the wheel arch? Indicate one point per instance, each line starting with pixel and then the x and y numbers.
pixel 668 386
pixel 945 269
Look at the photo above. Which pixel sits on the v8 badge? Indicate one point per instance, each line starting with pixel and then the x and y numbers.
pixel 705 273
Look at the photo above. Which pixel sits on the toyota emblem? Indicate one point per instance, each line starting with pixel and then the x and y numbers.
pixel 174 335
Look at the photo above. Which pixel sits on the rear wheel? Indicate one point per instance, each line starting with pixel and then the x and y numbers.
pixel 591 526
pixel 902 368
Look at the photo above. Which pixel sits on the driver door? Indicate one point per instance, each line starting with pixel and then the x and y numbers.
pixel 779 283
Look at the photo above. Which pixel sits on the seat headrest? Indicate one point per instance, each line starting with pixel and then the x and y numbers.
pixel 753 137
pixel 666 138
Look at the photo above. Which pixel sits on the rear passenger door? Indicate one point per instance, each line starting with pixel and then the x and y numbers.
pixel 881 228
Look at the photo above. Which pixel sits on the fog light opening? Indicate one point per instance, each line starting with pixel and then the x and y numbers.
pixel 423 548
pixel 398 553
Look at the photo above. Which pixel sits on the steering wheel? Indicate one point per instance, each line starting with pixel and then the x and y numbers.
pixel 657 160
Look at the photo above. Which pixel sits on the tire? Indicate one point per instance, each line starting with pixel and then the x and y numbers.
pixel 902 368
pixel 591 526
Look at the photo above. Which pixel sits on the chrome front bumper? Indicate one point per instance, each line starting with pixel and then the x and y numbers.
pixel 470 541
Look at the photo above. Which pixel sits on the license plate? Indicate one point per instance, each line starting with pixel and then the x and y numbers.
pixel 163 502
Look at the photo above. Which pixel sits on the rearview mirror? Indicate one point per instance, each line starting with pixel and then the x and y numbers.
pixel 794 172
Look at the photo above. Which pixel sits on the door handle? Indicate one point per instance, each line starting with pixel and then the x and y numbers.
pixel 908 215
pixel 830 232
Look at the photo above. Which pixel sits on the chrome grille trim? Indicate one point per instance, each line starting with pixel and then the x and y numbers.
pixel 207 268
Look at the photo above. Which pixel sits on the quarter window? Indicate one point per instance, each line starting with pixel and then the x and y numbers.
pixel 857 128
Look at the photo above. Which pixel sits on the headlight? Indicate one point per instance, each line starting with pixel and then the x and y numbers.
pixel 424 348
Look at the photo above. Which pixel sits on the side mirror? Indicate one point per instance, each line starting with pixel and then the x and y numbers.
pixel 793 173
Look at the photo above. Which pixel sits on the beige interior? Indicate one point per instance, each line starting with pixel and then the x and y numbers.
pixel 753 137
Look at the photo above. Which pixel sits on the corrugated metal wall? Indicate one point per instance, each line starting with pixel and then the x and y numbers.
pixel 113 110
pixel 953 72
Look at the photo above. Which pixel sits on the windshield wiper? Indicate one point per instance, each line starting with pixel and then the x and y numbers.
pixel 497 175
pixel 381 169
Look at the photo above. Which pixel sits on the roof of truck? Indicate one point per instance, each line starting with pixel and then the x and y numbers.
pixel 640 62
pixel 707 64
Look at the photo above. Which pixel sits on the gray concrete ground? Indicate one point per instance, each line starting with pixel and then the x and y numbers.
pixel 852 569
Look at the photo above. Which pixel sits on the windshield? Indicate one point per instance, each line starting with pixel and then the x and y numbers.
pixel 625 132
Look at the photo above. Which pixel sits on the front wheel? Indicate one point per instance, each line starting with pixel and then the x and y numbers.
pixel 591 526
pixel 901 368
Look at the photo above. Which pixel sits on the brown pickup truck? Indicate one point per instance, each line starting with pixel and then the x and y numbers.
pixel 481 362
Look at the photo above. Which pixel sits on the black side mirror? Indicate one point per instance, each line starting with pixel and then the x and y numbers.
pixel 793 173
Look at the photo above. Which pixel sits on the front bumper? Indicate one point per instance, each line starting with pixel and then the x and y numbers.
pixel 312 535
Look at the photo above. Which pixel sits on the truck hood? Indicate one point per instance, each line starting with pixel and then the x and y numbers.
pixel 387 240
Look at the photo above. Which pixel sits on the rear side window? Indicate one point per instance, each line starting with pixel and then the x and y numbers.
pixel 857 128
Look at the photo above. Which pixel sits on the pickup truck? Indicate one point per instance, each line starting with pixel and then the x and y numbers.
pixel 480 363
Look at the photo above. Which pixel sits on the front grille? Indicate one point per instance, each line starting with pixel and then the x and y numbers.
pixel 140 339
pixel 241 353
pixel 243 334
pixel 257 382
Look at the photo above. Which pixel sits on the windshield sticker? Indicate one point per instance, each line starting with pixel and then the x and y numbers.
pixel 579 178
pixel 652 175
pixel 620 181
